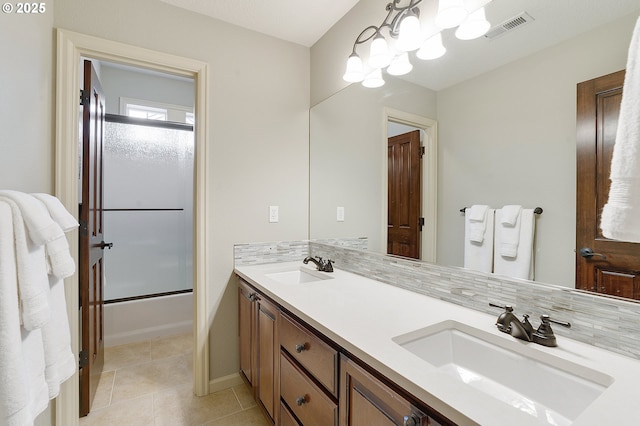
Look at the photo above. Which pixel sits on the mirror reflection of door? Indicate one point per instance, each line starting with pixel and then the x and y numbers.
pixel 602 265
pixel 404 195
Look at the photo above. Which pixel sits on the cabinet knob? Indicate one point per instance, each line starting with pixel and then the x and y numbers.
pixel 301 348
pixel 301 400
pixel 411 420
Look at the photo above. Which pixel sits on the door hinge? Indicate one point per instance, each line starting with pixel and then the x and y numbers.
pixel 421 222
pixel 83 227
pixel 84 97
pixel 84 358
pixel 422 151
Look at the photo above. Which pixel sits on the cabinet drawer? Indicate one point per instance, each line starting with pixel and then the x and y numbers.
pixel 309 403
pixel 320 359
pixel 286 418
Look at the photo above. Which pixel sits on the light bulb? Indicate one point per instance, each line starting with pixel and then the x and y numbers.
pixel 410 35
pixel 451 13
pixel 476 25
pixel 400 65
pixel 432 48
pixel 355 71
pixel 373 79
pixel 379 56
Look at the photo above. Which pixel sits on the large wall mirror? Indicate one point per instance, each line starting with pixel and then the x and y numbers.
pixel 506 136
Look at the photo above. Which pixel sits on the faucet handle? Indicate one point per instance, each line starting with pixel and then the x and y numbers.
pixel 546 319
pixel 507 308
pixel 544 334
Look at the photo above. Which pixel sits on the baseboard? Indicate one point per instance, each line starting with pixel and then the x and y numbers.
pixel 225 382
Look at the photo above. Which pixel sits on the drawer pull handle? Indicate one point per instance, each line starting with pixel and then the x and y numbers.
pixel 301 400
pixel 411 420
pixel 301 348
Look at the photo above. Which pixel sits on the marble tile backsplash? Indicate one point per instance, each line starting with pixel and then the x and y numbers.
pixel 609 323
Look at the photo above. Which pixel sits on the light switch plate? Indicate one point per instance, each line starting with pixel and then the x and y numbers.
pixel 340 214
pixel 273 214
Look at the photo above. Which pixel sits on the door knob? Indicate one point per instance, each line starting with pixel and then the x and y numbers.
pixel 107 245
pixel 588 253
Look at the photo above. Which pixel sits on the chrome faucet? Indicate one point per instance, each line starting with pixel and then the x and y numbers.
pixel 508 323
pixel 321 265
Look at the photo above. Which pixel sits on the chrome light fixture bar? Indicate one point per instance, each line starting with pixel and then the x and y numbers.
pixel 407 29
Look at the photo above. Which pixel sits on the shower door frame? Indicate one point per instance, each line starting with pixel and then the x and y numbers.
pixel 71 46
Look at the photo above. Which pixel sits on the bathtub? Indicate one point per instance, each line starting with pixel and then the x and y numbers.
pixel 137 320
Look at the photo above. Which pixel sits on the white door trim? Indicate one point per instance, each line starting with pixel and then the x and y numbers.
pixel 71 47
pixel 429 178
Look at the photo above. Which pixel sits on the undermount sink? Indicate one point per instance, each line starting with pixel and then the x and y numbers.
pixel 298 276
pixel 552 389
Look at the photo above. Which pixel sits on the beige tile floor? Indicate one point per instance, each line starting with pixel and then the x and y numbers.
pixel 150 384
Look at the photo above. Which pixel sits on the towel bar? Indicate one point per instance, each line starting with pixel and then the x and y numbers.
pixel 537 210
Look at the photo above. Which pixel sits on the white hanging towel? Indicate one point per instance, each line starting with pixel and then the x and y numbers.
pixel 509 224
pixel 23 389
pixel 479 255
pixel 621 215
pixel 522 264
pixel 33 281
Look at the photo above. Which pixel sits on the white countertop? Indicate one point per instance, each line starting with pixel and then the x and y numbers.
pixel 363 315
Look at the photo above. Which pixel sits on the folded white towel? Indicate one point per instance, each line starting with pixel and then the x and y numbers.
pixel 40 226
pixel 621 215
pixel 479 256
pixel 508 223
pixel 58 212
pixel 522 264
pixel 477 217
pixel 510 215
pixel 33 282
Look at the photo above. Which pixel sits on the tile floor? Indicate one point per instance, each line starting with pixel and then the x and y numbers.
pixel 150 384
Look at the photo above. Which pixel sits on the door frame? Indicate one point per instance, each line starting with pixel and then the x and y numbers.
pixel 71 46
pixel 429 182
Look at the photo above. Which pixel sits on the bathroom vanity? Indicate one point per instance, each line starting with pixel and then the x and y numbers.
pixel 339 348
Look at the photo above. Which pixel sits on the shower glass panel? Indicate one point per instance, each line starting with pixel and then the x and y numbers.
pixel 148 202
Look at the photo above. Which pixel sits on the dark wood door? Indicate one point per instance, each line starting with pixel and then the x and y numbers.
pixel 91 239
pixel 602 265
pixel 404 195
pixel 268 349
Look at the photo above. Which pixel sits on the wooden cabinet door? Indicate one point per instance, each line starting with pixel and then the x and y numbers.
pixel 365 401
pixel 268 371
pixel 246 313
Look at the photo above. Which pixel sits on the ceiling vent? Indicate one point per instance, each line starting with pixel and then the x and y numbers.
pixel 509 25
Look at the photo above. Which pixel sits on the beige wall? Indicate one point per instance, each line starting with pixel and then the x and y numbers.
pixel 259 102
pixel 26 106
pixel 508 137
pixel 330 53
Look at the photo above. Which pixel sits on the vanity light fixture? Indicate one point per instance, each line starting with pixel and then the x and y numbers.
pixel 407 28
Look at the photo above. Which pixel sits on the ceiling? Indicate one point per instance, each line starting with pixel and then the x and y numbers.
pixel 305 21
pixel 298 21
